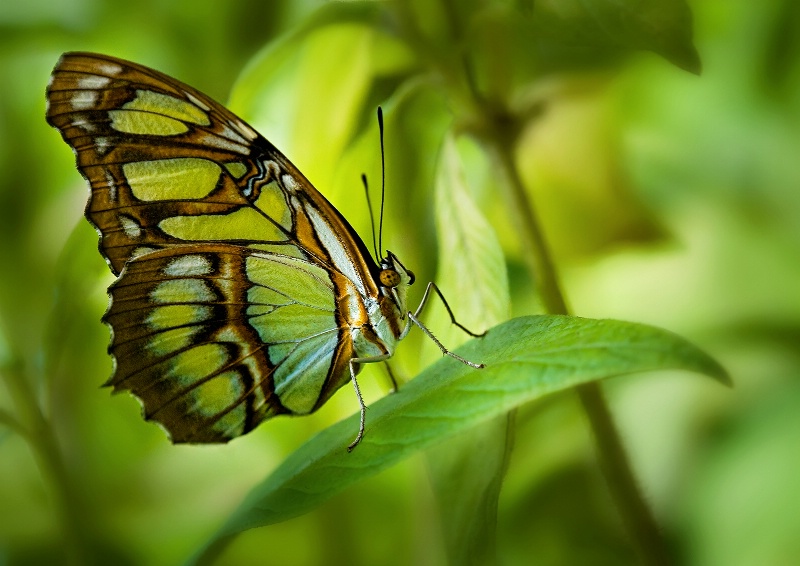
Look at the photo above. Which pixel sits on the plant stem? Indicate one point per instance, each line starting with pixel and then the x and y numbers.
pixel 535 250
pixel 12 423
pixel 611 454
pixel 39 434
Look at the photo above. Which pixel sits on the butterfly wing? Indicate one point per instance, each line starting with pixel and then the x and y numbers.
pixel 217 338
pixel 231 266
pixel 168 165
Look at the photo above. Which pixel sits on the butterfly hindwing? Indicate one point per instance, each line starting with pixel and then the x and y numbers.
pixel 181 343
pixel 212 352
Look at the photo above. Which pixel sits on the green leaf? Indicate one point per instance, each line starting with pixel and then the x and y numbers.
pixel 281 94
pixel 467 472
pixel 313 93
pixel 526 358
pixel 661 26
pixel 472 266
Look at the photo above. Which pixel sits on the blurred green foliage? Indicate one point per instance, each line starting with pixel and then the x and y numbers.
pixel 667 198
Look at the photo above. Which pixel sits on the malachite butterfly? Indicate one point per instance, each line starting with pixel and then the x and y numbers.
pixel 241 292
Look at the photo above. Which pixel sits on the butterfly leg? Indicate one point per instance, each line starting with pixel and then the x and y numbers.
pixel 363 409
pixel 414 317
pixel 353 363
pixel 424 302
pixel 444 350
pixel 391 376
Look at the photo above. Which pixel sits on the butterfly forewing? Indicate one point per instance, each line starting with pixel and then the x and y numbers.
pixel 168 165
pixel 239 283
pixel 152 148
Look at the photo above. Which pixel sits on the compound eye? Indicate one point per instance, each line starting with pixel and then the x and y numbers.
pixel 389 278
pixel 411 277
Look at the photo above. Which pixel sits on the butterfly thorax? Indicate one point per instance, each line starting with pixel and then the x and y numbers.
pixel 387 313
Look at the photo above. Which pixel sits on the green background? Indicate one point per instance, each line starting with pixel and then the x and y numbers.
pixel 667 198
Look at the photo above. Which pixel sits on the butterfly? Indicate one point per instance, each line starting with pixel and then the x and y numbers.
pixel 241 292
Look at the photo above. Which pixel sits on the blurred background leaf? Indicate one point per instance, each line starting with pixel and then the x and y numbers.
pixel 667 198
pixel 467 471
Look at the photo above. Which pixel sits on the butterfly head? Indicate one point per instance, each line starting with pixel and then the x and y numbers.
pixel 393 273
pixel 394 280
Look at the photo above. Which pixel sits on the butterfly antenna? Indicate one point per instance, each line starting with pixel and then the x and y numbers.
pixel 383 180
pixel 371 216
